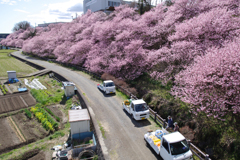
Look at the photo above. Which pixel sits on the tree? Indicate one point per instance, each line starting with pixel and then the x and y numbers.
pixel 21 25
pixel 212 83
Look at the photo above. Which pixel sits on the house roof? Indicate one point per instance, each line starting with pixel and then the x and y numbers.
pixel 78 115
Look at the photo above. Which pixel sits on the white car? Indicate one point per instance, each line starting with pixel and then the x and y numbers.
pixel 170 146
pixel 107 87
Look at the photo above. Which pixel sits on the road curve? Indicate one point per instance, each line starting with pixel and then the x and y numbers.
pixel 124 137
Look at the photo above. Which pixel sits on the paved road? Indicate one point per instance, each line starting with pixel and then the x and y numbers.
pixel 124 137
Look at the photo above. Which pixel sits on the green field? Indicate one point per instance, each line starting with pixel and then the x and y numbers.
pixel 8 63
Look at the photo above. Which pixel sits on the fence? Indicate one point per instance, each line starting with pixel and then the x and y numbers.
pixel 196 151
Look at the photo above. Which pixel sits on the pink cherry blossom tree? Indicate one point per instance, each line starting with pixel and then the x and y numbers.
pixel 212 83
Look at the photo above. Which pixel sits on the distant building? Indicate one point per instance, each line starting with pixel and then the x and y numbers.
pixel 100 5
pixel 4 35
pixel 46 24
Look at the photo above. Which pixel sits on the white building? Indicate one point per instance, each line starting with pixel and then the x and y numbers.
pixel 99 5
pixel 69 88
pixel 79 121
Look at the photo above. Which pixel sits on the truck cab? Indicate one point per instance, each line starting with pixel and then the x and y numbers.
pixel 138 109
pixel 107 87
pixel 170 146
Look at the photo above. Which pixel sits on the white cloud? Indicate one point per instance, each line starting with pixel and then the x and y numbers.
pixel 9 2
pixel 18 10
pixel 60 12
pixel 76 8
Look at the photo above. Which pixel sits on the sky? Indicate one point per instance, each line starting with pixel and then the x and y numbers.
pixel 37 12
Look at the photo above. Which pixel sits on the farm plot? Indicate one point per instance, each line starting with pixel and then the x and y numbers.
pixel 30 128
pixel 9 139
pixel 56 110
pixel 15 102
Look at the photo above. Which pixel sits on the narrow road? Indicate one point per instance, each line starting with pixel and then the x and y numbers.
pixel 124 136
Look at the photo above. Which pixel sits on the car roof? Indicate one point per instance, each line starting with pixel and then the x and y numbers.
pixel 139 101
pixel 174 137
pixel 107 81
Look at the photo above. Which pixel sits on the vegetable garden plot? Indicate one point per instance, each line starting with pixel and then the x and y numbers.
pixel 15 102
pixel 31 128
pixel 8 136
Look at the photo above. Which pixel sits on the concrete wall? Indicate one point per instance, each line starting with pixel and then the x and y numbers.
pixel 80 127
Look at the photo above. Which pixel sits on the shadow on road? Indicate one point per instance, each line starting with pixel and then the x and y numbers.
pixel 107 95
pixel 153 152
pixel 136 123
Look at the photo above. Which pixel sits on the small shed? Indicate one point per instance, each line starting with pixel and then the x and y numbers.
pixel 68 88
pixel 79 121
pixel 12 74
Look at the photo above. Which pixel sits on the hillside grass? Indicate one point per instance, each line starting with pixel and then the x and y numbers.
pixel 8 63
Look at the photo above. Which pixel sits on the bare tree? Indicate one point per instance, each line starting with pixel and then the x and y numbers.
pixel 21 25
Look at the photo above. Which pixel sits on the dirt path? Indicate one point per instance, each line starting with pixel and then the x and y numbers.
pixel 16 129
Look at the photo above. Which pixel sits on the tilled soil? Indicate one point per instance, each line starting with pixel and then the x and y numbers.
pixel 8 138
pixel 29 99
pixel 56 110
pixel 39 156
pixel 31 128
pixel 17 101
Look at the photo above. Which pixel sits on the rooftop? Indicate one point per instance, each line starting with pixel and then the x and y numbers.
pixel 139 101
pixel 107 81
pixel 78 115
pixel 65 83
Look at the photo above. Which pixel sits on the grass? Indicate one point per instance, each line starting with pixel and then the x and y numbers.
pixel 8 63
pixel 52 95
pixel 154 125
pixel 121 95
pixel 102 129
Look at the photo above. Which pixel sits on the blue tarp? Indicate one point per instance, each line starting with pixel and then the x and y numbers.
pixel 22 89
pixel 82 135
pixel 13 80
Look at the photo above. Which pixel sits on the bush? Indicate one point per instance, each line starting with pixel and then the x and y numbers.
pixel 56 135
pixel 28 113
pixel 44 97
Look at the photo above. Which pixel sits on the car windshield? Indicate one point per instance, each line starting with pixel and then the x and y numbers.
pixel 141 107
pixel 179 147
pixel 110 84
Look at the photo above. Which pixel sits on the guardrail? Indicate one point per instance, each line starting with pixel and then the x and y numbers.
pixel 196 151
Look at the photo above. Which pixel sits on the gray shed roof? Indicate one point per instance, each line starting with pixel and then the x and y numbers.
pixel 78 115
